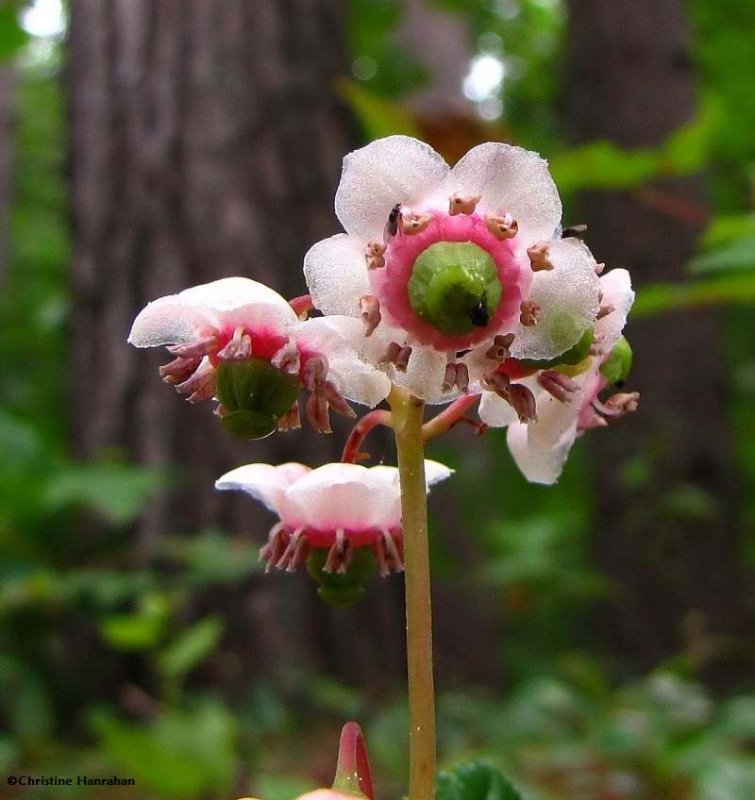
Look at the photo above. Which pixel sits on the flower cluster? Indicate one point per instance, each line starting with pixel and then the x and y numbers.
pixel 447 283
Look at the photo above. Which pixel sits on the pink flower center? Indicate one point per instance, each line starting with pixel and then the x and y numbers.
pixel 399 285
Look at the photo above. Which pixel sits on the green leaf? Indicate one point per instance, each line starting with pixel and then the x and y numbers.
pixel 140 631
pixel 12 36
pixel 378 117
pixel 658 298
pixel 475 781
pixel 190 647
pixel 117 492
pixel 603 165
pixel 739 254
pixel 183 754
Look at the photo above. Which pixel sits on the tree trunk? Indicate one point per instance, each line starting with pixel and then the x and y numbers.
pixel 666 532
pixel 206 141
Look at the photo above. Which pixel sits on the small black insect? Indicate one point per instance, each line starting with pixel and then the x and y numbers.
pixel 574 232
pixel 479 316
pixel 391 227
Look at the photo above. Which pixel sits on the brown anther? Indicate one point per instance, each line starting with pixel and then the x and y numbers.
pixel 287 358
pixel 539 257
pixel 502 226
pixel 238 348
pixel 402 359
pixel 389 552
pixel 457 375
pixel 499 382
pixel 523 402
pixel 499 350
pixel 375 255
pixel 340 554
pixel 604 311
pixel 313 371
pixel 195 349
pixel 622 403
pixel 462 204
pixel 277 541
pixel 295 553
pixel 413 223
pixel 290 421
pixel 317 412
pixel 558 385
pixel 200 385
pixel 398 355
pixel 369 308
pixel 530 313
pixel 335 399
pixel 179 370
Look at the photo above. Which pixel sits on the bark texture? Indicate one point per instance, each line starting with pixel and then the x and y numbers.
pixel 666 486
pixel 206 141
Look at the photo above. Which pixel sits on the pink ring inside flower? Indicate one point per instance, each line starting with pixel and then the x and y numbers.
pixel 390 283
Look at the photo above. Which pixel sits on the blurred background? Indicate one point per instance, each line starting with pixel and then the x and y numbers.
pixel 593 639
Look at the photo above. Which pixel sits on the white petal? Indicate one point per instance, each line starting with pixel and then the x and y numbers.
pixel 616 286
pixel 515 181
pixel 495 411
pixel 435 472
pixel 424 376
pixel 540 448
pixel 342 341
pixel 397 169
pixel 169 321
pixel 240 301
pixel 336 273
pixel 184 317
pixel 264 482
pixel 342 496
pixel 568 298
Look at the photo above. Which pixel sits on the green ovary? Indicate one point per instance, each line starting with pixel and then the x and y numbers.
pixel 455 287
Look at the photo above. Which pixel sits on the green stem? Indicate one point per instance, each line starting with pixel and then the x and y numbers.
pixel 408 414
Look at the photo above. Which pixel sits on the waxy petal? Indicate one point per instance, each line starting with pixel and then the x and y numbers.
pixel 264 482
pixel 568 299
pixel 346 496
pixel 397 169
pixel 343 341
pixel 514 181
pixel 336 273
pixel 616 287
pixel 201 310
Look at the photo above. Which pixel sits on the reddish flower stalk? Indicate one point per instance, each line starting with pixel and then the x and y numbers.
pixel 351 452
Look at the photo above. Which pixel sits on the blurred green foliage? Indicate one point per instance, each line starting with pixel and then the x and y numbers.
pixel 564 729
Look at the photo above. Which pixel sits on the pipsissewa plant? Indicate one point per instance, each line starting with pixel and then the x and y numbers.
pixel 450 286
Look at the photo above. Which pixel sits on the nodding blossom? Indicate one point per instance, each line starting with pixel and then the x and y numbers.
pixel 566 394
pixel 335 508
pixel 239 341
pixel 453 270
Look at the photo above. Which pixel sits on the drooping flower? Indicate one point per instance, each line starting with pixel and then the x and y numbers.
pixel 451 269
pixel 239 341
pixel 335 509
pixel 566 394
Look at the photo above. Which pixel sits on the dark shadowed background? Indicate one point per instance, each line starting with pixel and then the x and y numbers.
pixel 593 638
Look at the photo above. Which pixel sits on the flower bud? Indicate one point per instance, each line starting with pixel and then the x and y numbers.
pixel 618 365
pixel 342 589
pixel 254 395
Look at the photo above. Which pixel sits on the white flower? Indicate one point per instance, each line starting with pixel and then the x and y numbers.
pixel 445 265
pixel 336 507
pixel 238 321
pixel 567 398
